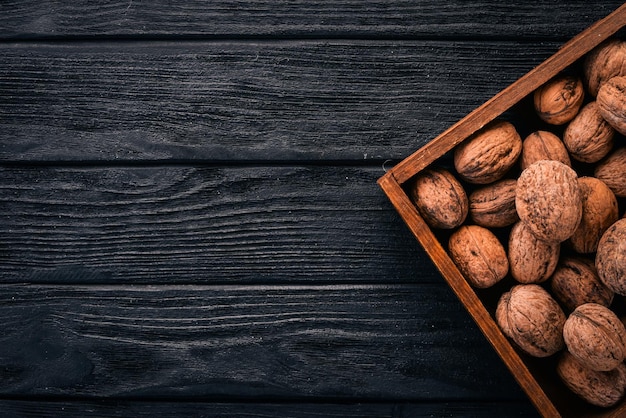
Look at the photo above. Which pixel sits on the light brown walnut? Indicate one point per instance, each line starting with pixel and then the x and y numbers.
pixel 479 255
pixel 530 259
pixel 575 282
pixel 533 319
pixel 596 336
pixel 558 100
pixel 611 257
pixel 612 171
pixel 604 62
pixel 543 145
pixel 493 206
pixel 548 200
pixel 487 155
pixel 589 137
pixel 612 103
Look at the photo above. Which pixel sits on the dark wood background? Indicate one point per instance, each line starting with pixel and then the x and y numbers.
pixel 190 220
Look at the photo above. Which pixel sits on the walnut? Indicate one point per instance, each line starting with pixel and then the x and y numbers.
pixel 599 212
pixel 611 257
pixel 543 145
pixel 488 154
pixel 596 336
pixel 493 206
pixel 558 100
pixel 598 388
pixel 575 282
pixel 589 137
pixel 612 103
pixel 604 62
pixel 530 259
pixel 440 198
pixel 548 200
pixel 479 255
pixel 612 171
pixel 529 316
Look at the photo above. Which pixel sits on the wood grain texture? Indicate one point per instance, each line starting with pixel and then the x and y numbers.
pixel 120 409
pixel 375 342
pixel 185 224
pixel 245 101
pixel 226 18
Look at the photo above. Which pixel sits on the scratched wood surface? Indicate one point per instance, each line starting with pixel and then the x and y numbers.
pixel 190 219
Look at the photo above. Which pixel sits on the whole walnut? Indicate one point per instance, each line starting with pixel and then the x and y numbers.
pixel 543 145
pixel 530 259
pixel 548 200
pixel 612 171
pixel 479 255
pixel 611 257
pixel 489 153
pixel 575 282
pixel 599 212
pixel 440 198
pixel 529 316
pixel 612 103
pixel 558 100
pixel 493 205
pixel 599 388
pixel 596 336
pixel 589 137
pixel 604 62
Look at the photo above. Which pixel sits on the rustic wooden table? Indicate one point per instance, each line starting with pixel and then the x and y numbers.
pixel 190 220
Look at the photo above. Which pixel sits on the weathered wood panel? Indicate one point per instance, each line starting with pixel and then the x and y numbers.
pixel 245 101
pixel 226 18
pixel 354 342
pixel 185 224
pixel 121 408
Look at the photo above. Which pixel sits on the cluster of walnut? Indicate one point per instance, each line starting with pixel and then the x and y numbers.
pixel 565 245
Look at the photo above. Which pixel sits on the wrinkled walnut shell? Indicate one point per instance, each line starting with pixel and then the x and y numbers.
pixel 604 62
pixel 479 255
pixel 548 200
pixel 603 389
pixel 612 103
pixel 596 336
pixel 440 198
pixel 493 206
pixel 530 259
pixel 589 137
pixel 575 282
pixel 558 100
pixel 611 257
pixel 599 212
pixel 612 171
pixel 532 319
pixel 488 154
pixel 543 145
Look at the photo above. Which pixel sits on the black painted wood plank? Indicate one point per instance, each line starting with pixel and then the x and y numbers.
pixel 245 101
pixel 299 343
pixel 186 224
pixel 120 409
pixel 227 18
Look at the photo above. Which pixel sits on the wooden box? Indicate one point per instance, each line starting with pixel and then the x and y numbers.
pixel 537 377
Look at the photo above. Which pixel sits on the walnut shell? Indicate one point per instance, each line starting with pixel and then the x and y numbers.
pixel 598 388
pixel 548 200
pixel 611 257
pixel 612 171
pixel 440 198
pixel 599 212
pixel 604 62
pixel 530 259
pixel 558 100
pixel 493 206
pixel 596 336
pixel 589 137
pixel 575 282
pixel 612 103
pixel 488 154
pixel 479 255
pixel 529 316
pixel 543 145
